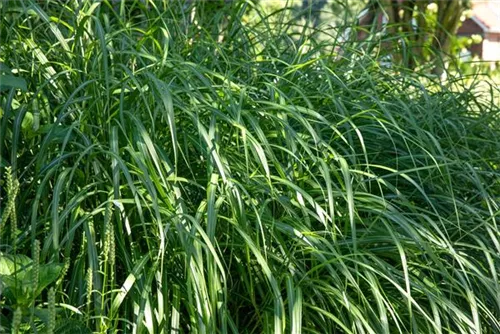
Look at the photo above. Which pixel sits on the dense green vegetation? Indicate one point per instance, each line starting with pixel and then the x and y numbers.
pixel 166 170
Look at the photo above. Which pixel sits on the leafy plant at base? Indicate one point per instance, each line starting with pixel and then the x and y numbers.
pixel 22 280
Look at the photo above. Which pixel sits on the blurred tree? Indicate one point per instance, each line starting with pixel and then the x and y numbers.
pixel 339 12
pixel 425 27
pixel 312 10
pixel 215 17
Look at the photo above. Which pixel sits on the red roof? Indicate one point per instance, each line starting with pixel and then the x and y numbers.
pixel 487 14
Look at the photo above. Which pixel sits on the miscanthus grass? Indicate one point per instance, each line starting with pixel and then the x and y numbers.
pixel 199 174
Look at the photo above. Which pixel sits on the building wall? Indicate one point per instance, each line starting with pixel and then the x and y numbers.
pixel 477 49
pixel 469 27
pixel 491 47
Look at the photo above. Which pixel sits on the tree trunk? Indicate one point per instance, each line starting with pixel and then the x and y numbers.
pixel 449 13
pixel 409 20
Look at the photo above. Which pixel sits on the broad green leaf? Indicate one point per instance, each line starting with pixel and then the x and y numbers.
pixel 8 81
pixel 16 273
pixel 27 122
pixel 49 273
pixel 12 264
pixel 4 68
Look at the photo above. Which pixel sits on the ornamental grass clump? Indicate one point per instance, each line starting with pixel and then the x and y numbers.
pixel 200 174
